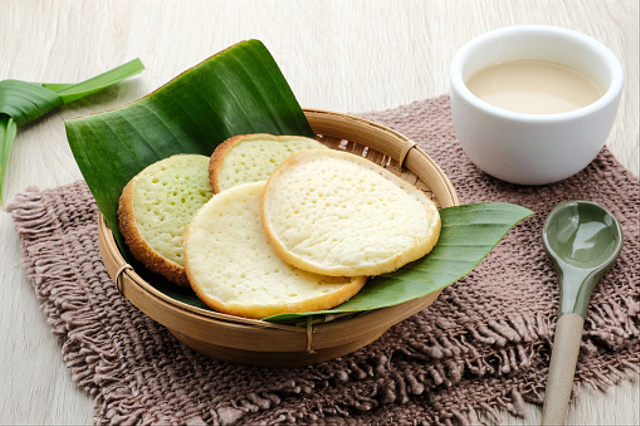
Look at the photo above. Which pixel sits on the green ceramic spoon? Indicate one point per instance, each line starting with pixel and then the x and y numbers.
pixel 582 239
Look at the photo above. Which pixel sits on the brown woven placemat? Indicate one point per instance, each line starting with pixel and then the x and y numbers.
pixel 483 345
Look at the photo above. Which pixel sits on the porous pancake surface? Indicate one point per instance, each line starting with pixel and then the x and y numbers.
pixel 234 269
pixel 337 213
pixel 253 157
pixel 155 207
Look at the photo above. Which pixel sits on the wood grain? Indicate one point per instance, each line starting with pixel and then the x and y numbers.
pixel 337 55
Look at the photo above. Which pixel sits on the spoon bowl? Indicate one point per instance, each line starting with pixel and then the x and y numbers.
pixel 582 240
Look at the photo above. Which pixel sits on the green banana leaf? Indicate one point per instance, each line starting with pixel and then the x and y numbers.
pixel 239 90
pixel 22 102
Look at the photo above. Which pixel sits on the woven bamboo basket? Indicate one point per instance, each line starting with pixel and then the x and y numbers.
pixel 256 342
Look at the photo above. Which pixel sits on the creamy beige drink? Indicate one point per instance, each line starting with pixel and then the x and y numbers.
pixel 534 87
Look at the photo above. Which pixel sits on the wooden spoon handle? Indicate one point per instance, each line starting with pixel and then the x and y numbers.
pixel 562 368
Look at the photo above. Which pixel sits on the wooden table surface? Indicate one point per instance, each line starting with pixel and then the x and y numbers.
pixel 337 55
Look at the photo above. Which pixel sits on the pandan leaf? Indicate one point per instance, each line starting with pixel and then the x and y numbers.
pixel 23 102
pixel 469 232
pixel 239 90
pixel 73 92
pixel 8 129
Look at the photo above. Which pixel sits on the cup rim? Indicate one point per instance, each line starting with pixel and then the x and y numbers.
pixel 613 90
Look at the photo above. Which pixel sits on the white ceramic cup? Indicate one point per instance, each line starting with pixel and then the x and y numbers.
pixel 534 149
